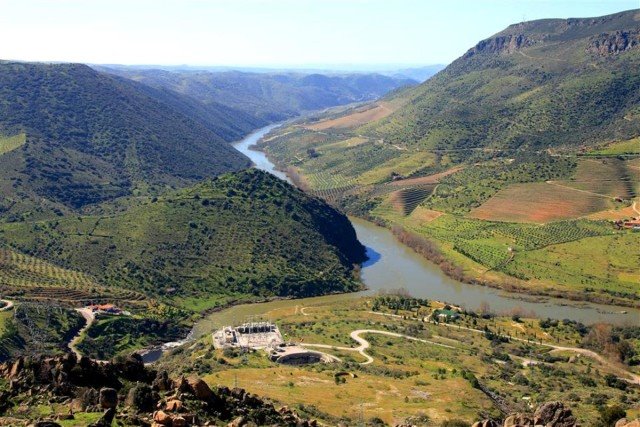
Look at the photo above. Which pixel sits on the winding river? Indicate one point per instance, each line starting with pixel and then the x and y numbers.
pixel 392 265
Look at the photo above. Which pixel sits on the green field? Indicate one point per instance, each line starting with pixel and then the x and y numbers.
pixel 630 146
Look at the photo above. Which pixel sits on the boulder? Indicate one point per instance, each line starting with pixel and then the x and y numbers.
pixel 16 368
pixel 486 423
pixel 238 422
pixel 162 418
pixel 108 398
pixel 173 405
pixel 554 414
pixel 161 382
pixel 106 420
pixel 178 421
pixel 199 388
pixel 518 420
pixel 626 423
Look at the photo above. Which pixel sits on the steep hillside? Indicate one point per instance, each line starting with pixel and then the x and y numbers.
pixel 548 83
pixel 239 234
pixel 266 96
pixel 532 132
pixel 91 137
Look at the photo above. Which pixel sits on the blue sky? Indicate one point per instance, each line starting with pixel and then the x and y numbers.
pixel 278 33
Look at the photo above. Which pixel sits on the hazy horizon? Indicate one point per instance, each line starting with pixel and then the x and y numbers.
pixel 357 35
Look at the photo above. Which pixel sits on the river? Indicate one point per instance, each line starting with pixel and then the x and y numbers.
pixel 392 265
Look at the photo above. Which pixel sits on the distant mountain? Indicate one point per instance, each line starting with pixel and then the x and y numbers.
pixel 74 136
pixel 241 233
pixel 267 96
pixel 537 84
pixel 419 74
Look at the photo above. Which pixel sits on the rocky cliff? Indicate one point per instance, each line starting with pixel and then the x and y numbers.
pixel 614 43
pixel 508 44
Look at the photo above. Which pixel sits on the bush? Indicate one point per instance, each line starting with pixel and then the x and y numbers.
pixel 140 398
pixel 609 415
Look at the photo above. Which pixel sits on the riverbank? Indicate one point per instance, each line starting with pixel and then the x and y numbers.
pixel 430 251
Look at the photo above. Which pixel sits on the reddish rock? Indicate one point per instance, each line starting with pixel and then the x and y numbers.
pixel 199 388
pixel 162 418
pixel 173 405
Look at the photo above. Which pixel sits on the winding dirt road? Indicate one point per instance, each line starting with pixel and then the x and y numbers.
pixel 364 344
pixel 620 371
pixel 90 318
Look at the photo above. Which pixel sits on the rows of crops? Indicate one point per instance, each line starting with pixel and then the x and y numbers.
pixel 490 255
pixel 408 199
pixel 28 278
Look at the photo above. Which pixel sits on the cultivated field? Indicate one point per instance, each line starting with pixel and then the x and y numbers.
pixel 539 202
pixel 28 278
pixel 607 177
pixel 379 111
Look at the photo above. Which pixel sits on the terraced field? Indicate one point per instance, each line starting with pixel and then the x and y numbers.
pixel 594 187
pixel 608 177
pixel 9 143
pixel 28 278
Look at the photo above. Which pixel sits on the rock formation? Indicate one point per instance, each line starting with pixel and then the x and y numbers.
pixel 128 392
pixel 614 43
pixel 550 414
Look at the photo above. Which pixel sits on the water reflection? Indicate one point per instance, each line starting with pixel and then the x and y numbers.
pixel 372 255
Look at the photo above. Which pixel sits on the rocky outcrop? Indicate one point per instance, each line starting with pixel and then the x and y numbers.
pixel 613 43
pixel 550 414
pixel 508 44
pixel 127 392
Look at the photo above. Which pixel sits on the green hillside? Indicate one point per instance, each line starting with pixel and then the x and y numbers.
pixel 92 137
pixel 246 233
pixel 268 96
pixel 549 83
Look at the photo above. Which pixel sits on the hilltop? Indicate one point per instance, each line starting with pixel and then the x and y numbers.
pixel 72 136
pixel 549 83
pixel 246 233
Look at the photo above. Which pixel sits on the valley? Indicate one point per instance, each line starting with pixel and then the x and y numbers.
pixel 412 245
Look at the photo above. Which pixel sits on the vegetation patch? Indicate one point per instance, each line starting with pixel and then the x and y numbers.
pixel 10 143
